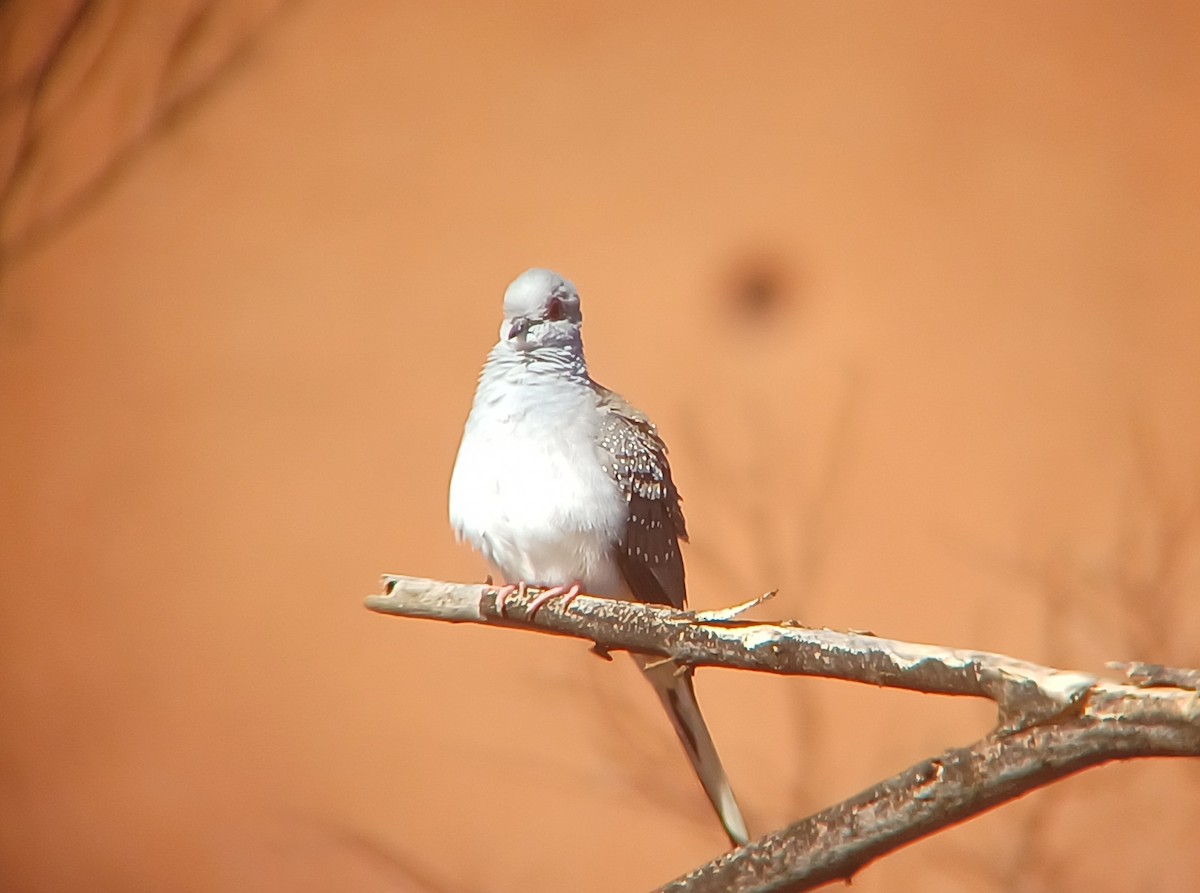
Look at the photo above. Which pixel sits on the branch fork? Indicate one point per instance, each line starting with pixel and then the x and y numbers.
pixel 1051 722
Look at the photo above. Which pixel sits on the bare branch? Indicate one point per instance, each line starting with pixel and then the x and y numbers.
pixel 1114 723
pixel 1052 722
pixel 1024 692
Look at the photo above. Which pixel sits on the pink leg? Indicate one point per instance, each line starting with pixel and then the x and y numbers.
pixel 567 592
pixel 504 592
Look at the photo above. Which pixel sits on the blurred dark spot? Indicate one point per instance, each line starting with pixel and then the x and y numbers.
pixel 759 287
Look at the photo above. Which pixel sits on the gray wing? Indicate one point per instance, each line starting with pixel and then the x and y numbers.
pixel 636 458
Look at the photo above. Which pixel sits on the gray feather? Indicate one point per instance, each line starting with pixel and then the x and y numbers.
pixel 636 458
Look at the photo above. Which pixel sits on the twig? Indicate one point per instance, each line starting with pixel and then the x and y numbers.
pixel 727 615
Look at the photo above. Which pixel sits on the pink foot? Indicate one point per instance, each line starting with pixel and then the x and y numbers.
pixel 568 594
pixel 504 592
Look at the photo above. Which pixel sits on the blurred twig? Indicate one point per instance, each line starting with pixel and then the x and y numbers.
pixel 201 46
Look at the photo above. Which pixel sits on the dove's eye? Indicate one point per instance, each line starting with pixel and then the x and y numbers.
pixel 554 310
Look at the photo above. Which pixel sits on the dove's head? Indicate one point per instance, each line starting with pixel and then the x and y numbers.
pixel 541 309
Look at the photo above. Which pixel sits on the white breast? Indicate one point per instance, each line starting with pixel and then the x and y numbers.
pixel 528 490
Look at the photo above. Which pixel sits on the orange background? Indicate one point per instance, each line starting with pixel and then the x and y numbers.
pixel 911 290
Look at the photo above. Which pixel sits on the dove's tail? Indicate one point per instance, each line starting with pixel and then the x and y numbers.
pixel 679 698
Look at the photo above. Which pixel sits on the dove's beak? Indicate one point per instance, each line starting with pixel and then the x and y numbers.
pixel 520 325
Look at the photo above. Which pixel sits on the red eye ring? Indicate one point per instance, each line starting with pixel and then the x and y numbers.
pixel 554 310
